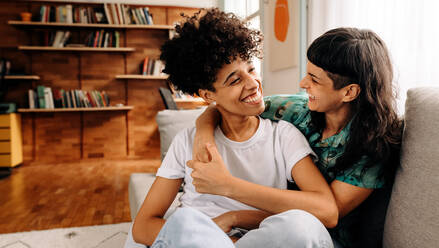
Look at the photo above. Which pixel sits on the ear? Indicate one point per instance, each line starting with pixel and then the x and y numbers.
pixel 351 92
pixel 207 95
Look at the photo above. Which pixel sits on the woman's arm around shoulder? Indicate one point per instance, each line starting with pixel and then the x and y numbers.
pixel 204 134
pixel 149 219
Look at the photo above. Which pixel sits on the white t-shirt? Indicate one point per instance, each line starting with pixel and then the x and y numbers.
pixel 267 158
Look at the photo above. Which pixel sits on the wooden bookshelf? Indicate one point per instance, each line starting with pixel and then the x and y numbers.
pixel 74 134
pixel 140 77
pixel 22 77
pixel 88 25
pixel 124 108
pixel 77 49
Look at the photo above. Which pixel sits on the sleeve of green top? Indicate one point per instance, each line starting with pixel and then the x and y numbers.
pixel 291 108
pixel 368 178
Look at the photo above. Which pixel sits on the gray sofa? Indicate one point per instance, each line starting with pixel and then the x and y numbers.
pixel 412 216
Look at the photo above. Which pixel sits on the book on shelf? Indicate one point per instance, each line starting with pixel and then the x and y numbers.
pixel 32 99
pixel 47 98
pixel 56 38
pixel 102 38
pixel 152 67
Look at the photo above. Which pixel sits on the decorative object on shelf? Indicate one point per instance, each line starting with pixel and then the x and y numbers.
pixel 26 16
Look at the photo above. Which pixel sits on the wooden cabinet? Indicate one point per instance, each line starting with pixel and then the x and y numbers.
pixel 11 151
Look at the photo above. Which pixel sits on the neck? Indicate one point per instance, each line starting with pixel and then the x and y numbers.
pixel 336 121
pixel 238 128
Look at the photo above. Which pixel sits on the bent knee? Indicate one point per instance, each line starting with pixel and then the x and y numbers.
pixel 299 226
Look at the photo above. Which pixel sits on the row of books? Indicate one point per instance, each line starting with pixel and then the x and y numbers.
pixel 103 38
pixel 108 13
pixel 47 98
pixel 98 38
pixel 117 13
pixel 152 67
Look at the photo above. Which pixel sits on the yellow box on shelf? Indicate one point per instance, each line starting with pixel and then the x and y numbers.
pixel 11 143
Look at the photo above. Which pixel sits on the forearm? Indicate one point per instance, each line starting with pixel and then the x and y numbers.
pixel 249 219
pixel 208 120
pixel 145 231
pixel 276 201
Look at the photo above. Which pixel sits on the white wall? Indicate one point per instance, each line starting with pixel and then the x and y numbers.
pixel 184 3
pixel 276 82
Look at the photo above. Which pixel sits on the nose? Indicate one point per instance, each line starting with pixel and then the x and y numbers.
pixel 304 83
pixel 252 81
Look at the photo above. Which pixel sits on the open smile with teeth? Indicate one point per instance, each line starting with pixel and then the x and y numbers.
pixel 253 98
pixel 312 97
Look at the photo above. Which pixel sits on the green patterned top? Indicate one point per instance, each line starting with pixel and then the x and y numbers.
pixel 294 109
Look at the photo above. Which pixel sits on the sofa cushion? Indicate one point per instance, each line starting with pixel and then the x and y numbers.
pixel 170 122
pixel 138 188
pixel 412 216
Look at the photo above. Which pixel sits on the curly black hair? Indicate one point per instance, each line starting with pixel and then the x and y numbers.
pixel 203 44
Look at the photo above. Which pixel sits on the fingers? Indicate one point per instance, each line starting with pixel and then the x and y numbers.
pixel 213 152
pixel 193 164
pixel 190 164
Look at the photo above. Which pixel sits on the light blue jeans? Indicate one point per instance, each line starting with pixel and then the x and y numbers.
pixel 188 227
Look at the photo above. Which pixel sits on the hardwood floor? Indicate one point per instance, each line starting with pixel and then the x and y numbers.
pixel 45 196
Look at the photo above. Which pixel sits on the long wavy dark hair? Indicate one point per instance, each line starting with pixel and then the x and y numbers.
pixel 350 55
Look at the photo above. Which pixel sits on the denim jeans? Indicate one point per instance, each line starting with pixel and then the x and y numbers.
pixel 188 227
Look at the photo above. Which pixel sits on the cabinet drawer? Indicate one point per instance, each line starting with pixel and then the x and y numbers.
pixel 5 134
pixel 5 120
pixel 5 147
pixel 5 160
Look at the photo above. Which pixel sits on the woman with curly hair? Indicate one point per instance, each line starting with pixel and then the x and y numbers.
pixel 348 118
pixel 211 56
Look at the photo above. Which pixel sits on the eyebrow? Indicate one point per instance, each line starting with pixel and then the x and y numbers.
pixel 312 75
pixel 229 76
pixel 233 73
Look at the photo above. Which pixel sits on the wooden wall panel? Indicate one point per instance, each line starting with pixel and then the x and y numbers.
pixel 28 137
pixel 174 14
pixel 104 132
pixel 144 139
pixel 57 137
pixel 147 43
pixel 10 37
pixel 98 72
pixel 56 70
pixel 159 14
pixel 104 135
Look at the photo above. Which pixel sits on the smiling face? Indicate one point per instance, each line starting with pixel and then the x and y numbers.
pixel 238 90
pixel 320 88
